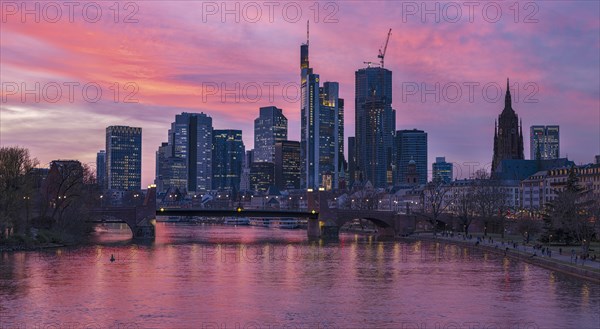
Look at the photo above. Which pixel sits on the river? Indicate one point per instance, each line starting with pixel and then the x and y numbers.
pixel 210 276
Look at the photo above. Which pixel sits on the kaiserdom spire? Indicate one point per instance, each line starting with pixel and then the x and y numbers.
pixel 508 134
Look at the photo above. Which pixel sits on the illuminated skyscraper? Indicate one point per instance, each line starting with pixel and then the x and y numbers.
pixel 287 165
pixel 544 142
pixel 190 142
pixel 375 124
pixel 411 146
pixel 321 131
pixel 228 158
pixel 101 169
pixel 442 170
pixel 123 158
pixel 269 128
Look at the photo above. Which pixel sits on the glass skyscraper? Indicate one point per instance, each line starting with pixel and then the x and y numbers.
pixel 101 169
pixel 321 131
pixel 287 165
pixel 269 128
pixel 544 142
pixel 411 145
pixel 190 142
pixel 228 158
pixel 375 123
pixel 123 158
pixel 442 170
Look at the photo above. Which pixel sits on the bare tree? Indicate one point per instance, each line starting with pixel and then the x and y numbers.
pixel 465 207
pixel 490 200
pixel 571 214
pixel 16 166
pixel 435 201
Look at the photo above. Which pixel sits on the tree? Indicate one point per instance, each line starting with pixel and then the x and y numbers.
pixel 435 201
pixel 16 167
pixel 490 200
pixel 465 207
pixel 571 214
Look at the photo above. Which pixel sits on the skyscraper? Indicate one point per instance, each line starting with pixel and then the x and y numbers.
pixel 261 176
pixel 287 165
pixel 544 142
pixel 411 145
pixel 101 168
pixel 508 134
pixel 442 170
pixel 269 128
pixel 190 140
pixel 123 158
pixel 228 158
pixel 171 172
pixel 352 174
pixel 375 123
pixel 321 129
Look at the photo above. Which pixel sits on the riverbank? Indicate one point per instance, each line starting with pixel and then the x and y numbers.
pixel 11 248
pixel 563 263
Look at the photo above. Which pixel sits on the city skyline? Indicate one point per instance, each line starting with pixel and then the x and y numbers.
pixel 417 54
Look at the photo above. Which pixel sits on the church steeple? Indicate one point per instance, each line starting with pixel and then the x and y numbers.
pixel 508 134
pixel 507 97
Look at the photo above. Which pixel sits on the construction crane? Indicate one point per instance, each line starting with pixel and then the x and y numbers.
pixel 382 54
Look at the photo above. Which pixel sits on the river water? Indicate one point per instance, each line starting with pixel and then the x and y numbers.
pixel 209 276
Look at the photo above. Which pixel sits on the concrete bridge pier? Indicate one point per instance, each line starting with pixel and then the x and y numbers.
pixel 143 230
pixel 313 229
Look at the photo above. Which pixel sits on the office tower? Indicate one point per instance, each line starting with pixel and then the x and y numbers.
pixel 321 109
pixel 597 159
pixel 544 142
pixel 508 134
pixel 287 165
pixel 375 123
pixel 245 177
pixel 190 137
pixel 269 128
pixel 442 170
pixel 411 145
pixel 101 168
pixel 123 158
pixel 171 172
pixel 228 158
pixel 261 176
pixel 353 174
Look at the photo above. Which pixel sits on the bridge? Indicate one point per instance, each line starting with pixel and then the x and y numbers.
pixel 325 223
pixel 138 218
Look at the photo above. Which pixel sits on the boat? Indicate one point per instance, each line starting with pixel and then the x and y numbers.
pixel 289 223
pixel 262 222
pixel 236 221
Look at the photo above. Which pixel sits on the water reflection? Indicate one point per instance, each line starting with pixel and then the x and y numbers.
pixel 205 275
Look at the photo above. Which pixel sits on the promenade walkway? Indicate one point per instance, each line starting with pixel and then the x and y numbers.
pixel 568 260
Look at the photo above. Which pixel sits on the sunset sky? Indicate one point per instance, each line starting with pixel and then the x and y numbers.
pixel 168 51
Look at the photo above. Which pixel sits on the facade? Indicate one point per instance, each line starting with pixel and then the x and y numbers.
pixel 190 142
pixel 269 128
pixel 262 176
pixel 352 173
pixel 321 110
pixel 245 177
pixel 171 172
pixel 228 157
pixel 101 168
pixel 442 170
pixel 544 142
pixel 287 165
pixel 411 145
pixel 123 158
pixel 375 124
pixel 508 134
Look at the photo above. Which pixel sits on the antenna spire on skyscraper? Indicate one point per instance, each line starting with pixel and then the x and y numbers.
pixel 307 26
